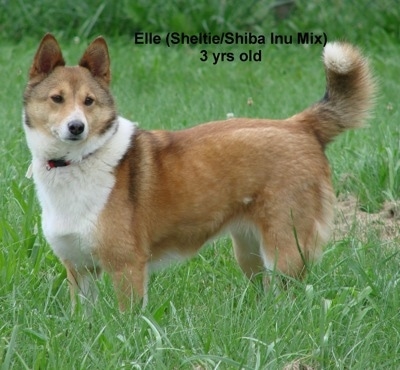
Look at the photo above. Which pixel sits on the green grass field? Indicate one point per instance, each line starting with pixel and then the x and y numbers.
pixel 204 314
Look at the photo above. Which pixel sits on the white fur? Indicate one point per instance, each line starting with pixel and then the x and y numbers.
pixel 338 58
pixel 324 225
pixel 72 197
pixel 166 260
pixel 247 200
pixel 62 131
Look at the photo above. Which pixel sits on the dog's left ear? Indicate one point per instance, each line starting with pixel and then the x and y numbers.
pixel 97 60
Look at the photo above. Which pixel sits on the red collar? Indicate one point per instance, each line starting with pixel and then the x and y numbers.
pixel 53 163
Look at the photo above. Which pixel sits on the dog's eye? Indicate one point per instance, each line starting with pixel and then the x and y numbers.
pixel 88 101
pixel 57 99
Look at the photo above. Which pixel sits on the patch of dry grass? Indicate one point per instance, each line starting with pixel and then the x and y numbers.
pixel 350 218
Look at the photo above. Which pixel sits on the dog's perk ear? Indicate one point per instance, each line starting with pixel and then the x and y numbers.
pixel 97 60
pixel 48 56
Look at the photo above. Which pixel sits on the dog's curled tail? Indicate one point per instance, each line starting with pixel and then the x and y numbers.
pixel 349 92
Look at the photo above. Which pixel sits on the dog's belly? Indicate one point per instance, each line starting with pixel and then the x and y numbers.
pixel 166 259
pixel 174 248
pixel 184 241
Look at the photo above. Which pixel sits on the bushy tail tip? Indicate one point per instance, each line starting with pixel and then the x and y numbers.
pixel 349 92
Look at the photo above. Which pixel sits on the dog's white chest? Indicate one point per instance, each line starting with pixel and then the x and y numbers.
pixel 72 199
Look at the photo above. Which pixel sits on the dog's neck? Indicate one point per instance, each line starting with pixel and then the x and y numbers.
pixel 61 162
pixel 113 145
pixel 54 163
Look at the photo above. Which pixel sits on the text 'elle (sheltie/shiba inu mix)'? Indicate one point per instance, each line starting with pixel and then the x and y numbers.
pixel 125 200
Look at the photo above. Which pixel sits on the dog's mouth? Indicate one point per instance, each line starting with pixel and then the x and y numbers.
pixel 74 138
pixel 69 139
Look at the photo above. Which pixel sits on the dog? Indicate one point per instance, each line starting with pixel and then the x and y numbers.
pixel 125 200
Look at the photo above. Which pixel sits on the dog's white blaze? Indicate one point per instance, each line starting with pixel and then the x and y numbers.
pixel 72 197
pixel 62 131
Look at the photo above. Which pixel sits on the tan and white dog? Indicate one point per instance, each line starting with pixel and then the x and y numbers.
pixel 125 200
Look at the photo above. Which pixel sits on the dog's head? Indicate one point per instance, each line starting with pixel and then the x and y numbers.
pixel 68 111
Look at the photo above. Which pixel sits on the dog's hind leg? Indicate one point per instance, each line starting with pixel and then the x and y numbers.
pixel 246 245
pixel 265 249
pixel 252 258
pixel 295 226
pixel 291 248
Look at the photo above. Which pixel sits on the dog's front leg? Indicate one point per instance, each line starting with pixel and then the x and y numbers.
pixel 82 283
pixel 130 283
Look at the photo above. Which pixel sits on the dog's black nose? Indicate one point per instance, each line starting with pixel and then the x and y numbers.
pixel 76 127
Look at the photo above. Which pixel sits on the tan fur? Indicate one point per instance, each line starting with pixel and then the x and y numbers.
pixel 266 182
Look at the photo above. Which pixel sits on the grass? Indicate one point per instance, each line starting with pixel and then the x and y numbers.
pixel 204 314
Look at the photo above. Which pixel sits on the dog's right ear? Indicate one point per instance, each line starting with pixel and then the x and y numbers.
pixel 48 56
